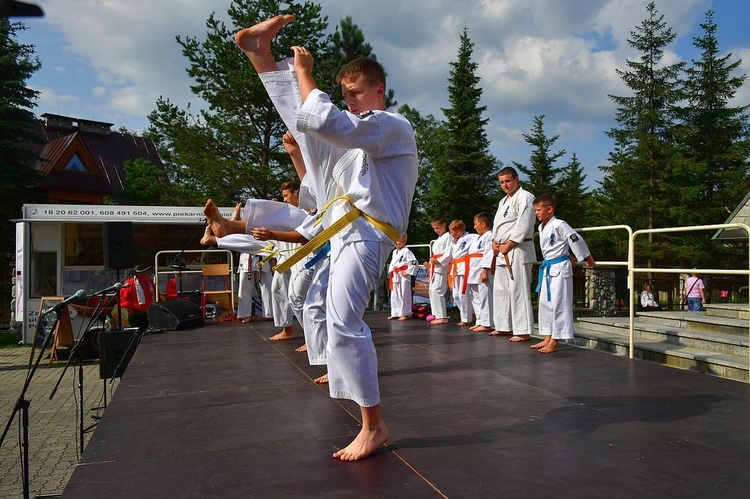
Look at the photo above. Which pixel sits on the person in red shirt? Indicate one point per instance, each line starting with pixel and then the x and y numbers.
pixel 136 295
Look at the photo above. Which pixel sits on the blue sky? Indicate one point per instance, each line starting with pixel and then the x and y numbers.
pixel 110 60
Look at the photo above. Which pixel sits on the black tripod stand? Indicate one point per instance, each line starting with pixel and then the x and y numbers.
pixel 47 323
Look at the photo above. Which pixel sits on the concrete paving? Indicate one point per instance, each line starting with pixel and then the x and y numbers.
pixel 53 424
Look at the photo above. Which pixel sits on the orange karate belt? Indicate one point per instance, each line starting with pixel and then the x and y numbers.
pixel 392 273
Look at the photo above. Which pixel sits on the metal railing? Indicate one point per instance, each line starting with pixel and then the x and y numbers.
pixel 632 269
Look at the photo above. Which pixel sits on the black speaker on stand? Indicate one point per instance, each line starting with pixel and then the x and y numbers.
pixel 118 245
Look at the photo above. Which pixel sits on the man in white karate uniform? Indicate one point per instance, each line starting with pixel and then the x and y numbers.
pixel 370 153
pixel 513 244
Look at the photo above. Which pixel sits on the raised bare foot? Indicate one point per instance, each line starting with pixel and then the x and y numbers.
pixel 520 337
pixel 542 343
pixel 363 444
pixel 208 238
pixel 237 212
pixel 214 218
pixel 301 349
pixel 284 335
pixel 321 380
pixel 255 41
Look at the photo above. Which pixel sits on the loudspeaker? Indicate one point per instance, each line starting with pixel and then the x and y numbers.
pixel 114 352
pixel 174 314
pixel 118 245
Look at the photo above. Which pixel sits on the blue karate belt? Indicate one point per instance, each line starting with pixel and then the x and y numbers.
pixel 319 256
pixel 544 273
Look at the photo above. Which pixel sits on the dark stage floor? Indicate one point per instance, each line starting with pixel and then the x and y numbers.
pixel 220 411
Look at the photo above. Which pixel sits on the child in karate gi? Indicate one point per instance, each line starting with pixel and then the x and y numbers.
pixel 555 287
pixel 369 155
pixel 459 269
pixel 437 269
pixel 403 265
pixel 479 277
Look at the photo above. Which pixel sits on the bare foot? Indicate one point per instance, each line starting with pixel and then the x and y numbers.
pixel 542 343
pixel 462 323
pixel 482 329
pixel 439 321
pixel 520 337
pixel 255 41
pixel 549 348
pixel 237 212
pixel 208 238
pixel 390 317
pixel 363 444
pixel 301 349
pixel 321 380
pixel 500 333
pixel 214 218
pixel 404 318
pixel 284 335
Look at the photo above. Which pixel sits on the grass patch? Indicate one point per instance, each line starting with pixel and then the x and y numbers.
pixel 9 339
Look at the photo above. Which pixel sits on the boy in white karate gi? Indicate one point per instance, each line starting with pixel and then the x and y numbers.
pixel 437 269
pixel 555 287
pixel 369 154
pixel 479 277
pixel 403 265
pixel 459 269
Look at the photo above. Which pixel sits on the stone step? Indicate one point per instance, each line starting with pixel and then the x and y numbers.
pixel 730 310
pixel 724 365
pixel 698 321
pixel 722 343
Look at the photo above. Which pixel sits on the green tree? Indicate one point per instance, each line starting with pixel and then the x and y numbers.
pixel 541 175
pixel 462 182
pixel 426 128
pixel 641 186
pixel 714 134
pixel 17 129
pixel 232 150
pixel 571 195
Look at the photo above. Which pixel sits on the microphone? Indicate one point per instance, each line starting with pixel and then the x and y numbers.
pixel 75 296
pixel 115 287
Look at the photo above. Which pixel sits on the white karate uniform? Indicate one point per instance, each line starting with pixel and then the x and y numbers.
pixel 438 275
pixel 511 298
pixel 264 277
pixel 314 308
pixel 283 315
pixel 458 271
pixel 480 257
pixel 402 260
pixel 245 288
pixel 556 290
pixel 371 158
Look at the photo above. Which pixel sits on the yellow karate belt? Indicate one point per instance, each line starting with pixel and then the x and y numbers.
pixel 336 227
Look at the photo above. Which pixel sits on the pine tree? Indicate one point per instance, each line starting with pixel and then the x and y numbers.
pixel 715 135
pixel 462 182
pixel 17 124
pixel 641 184
pixel 541 175
pixel 571 195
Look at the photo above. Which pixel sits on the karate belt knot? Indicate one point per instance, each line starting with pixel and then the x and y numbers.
pixel 326 234
pixel 544 273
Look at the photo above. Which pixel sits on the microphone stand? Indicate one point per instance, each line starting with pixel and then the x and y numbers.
pixel 98 310
pixel 22 405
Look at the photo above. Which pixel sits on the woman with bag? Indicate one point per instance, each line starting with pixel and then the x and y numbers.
pixel 695 294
